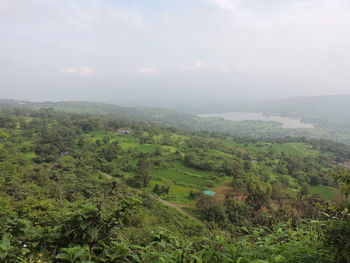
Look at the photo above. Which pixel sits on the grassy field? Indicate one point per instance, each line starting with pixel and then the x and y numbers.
pixel 298 149
pixel 182 179
pixel 128 145
pixel 182 167
pixel 177 194
pixel 325 192
pixel 126 142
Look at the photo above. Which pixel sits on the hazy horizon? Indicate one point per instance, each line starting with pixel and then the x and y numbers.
pixel 168 53
pixel 176 103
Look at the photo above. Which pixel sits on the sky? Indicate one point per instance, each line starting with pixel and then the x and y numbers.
pixel 173 52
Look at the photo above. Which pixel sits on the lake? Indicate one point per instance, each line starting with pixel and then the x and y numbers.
pixel 289 123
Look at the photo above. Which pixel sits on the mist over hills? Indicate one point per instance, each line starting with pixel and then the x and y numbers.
pixel 324 111
pixel 174 131
pixel 329 114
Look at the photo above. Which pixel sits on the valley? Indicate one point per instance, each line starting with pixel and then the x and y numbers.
pixel 133 180
pixel 162 131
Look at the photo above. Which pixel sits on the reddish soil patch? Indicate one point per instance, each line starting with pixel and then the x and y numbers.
pixel 221 191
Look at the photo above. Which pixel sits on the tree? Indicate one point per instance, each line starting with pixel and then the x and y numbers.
pixel 106 139
pixel 160 189
pixel 193 195
pixel 258 193
pixel 158 151
pixel 343 178
pixel 142 177
pixel 54 141
pixel 112 151
pixel 216 213
pixel 315 180
pixel 278 192
pixel 305 189
pixel 233 169
pixel 237 211
pixel 205 202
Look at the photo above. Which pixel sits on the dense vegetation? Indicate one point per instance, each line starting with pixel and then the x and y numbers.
pixel 324 111
pixel 328 114
pixel 104 188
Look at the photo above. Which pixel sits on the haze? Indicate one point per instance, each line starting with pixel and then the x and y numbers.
pixel 168 53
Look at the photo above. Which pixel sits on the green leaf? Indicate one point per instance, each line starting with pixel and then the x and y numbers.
pixel 244 229
pixel 197 259
pixel 92 231
pixel 279 259
pixel 5 246
pixel 63 256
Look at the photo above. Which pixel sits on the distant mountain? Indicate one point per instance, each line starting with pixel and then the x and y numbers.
pixel 5 103
pixel 168 117
pixel 324 111
pixel 164 116
pixel 330 114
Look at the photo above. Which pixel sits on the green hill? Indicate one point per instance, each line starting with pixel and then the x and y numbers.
pixel 100 188
pixel 173 118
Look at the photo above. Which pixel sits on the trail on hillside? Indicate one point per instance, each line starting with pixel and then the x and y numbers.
pixel 167 203
pixel 345 164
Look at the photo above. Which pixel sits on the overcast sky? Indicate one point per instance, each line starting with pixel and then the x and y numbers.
pixel 173 51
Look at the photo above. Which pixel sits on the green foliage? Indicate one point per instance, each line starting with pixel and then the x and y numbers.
pixel 142 177
pixel 343 177
pixel 258 193
pixel 63 196
pixel 338 235
pixel 112 151
pixel 326 192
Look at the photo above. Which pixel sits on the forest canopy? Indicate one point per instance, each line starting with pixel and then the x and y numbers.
pixel 91 188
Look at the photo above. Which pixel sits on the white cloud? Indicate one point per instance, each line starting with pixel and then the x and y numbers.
pixel 79 71
pixel 104 16
pixel 300 45
pixel 201 65
pixel 198 64
pixel 151 70
pixel 229 5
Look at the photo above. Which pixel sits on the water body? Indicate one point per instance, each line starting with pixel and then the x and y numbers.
pixel 289 123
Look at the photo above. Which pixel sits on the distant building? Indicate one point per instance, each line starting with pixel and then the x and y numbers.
pixel 210 193
pixel 124 131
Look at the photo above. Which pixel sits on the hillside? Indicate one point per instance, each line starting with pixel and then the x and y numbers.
pixel 324 111
pixel 167 117
pixel 90 188
pixel 330 115
pixel 331 112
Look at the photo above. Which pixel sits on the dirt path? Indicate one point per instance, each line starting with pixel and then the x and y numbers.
pixel 178 208
pixel 108 176
pixel 167 203
pixel 345 165
pixel 185 205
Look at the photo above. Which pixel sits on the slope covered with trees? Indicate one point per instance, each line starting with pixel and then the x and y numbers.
pixel 173 118
pixel 86 188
